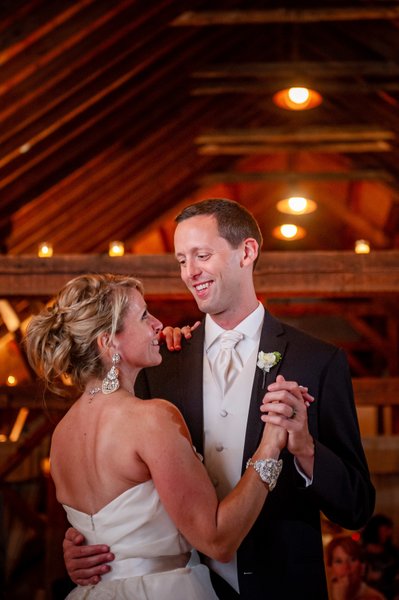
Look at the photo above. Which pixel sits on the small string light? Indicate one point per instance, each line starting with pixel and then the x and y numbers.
pixel 116 249
pixel 24 148
pixel 45 250
pixel 362 247
pixel 11 381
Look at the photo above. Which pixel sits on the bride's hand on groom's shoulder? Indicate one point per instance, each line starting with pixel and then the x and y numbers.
pixel 171 336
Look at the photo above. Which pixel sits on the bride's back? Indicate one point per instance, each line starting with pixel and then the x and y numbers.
pixel 95 449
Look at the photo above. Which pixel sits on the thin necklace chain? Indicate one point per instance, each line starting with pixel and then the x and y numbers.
pixel 93 392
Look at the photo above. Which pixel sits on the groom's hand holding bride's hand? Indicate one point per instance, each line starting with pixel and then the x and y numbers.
pixel 85 564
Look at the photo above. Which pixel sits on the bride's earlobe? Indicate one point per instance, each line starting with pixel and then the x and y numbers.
pixel 103 341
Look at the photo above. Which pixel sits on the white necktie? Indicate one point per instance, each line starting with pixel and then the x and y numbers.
pixel 228 363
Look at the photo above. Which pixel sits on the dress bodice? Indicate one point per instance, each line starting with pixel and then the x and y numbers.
pixel 138 530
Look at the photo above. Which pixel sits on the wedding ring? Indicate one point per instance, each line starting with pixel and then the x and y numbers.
pixel 293 414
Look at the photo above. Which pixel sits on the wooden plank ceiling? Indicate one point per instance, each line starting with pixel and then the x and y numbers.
pixel 113 115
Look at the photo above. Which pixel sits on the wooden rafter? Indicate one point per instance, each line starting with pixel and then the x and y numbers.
pixel 294 68
pixel 326 133
pixel 328 147
pixel 290 176
pixel 286 15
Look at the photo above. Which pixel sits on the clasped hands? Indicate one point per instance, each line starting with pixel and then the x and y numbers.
pixel 285 404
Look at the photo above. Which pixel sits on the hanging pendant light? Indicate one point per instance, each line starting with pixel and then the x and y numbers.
pixel 297 98
pixel 296 205
pixel 289 232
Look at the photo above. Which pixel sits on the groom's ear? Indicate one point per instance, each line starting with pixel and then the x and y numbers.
pixel 250 251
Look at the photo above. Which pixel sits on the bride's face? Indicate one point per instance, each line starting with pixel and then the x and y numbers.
pixel 138 342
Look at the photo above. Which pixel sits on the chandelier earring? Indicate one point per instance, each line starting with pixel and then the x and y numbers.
pixel 111 382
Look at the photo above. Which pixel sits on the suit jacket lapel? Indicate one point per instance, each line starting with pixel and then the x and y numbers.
pixel 191 365
pixel 272 339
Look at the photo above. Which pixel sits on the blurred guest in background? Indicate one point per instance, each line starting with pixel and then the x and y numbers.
pixel 345 563
pixel 381 555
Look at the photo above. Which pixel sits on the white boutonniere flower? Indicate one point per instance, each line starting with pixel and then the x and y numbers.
pixel 267 360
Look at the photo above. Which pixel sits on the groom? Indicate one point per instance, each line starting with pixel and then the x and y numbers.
pixel 325 470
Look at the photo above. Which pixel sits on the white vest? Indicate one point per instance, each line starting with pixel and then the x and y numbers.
pixel 225 424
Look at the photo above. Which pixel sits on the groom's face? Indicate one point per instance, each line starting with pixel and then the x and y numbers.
pixel 209 266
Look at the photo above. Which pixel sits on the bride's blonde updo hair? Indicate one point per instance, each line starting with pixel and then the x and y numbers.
pixel 62 339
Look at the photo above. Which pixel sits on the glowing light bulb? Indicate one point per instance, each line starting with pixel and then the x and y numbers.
pixel 288 230
pixel 297 203
pixel 299 95
pixel 45 250
pixel 116 249
pixel 297 98
pixel 11 380
pixel 362 247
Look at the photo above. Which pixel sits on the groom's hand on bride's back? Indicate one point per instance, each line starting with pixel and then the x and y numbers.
pixel 85 564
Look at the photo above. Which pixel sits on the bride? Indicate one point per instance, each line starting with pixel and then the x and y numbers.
pixel 124 468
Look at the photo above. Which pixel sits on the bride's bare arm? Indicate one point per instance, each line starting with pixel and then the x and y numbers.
pixel 214 528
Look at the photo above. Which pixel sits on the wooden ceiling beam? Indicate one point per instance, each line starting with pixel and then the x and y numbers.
pixel 342 133
pixel 286 15
pixel 380 391
pixel 294 176
pixel 328 147
pixel 320 69
pixel 278 274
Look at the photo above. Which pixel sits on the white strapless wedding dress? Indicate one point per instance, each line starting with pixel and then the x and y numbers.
pixel 150 554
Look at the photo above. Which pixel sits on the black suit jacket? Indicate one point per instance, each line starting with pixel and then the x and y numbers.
pixel 282 556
